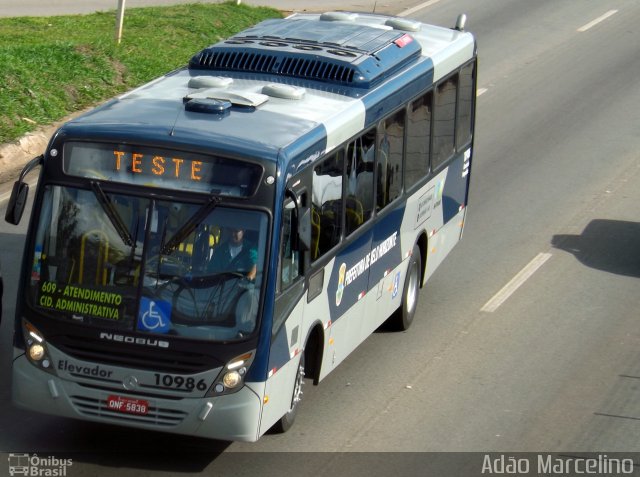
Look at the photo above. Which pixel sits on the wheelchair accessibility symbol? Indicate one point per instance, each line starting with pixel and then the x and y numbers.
pixel 396 285
pixel 154 316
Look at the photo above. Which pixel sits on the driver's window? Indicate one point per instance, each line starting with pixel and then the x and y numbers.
pixel 289 258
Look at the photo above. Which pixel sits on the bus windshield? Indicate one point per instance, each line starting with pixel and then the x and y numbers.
pixel 139 264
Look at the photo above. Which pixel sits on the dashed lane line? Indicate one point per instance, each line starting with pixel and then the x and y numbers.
pixel 593 23
pixel 515 283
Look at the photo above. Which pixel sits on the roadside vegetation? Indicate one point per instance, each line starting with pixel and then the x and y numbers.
pixel 53 66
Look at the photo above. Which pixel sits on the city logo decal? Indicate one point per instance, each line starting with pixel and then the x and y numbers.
pixel 340 290
pixel 438 193
pixel 396 285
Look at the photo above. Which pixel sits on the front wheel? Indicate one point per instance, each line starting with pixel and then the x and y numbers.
pixel 286 421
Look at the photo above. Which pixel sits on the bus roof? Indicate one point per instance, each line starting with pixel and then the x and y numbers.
pixel 286 87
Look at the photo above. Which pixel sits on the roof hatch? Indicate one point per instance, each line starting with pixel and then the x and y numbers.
pixel 345 53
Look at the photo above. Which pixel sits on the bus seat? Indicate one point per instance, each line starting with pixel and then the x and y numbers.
pixel 329 234
pixel 315 233
pixel 200 245
pixel 354 213
pixel 364 189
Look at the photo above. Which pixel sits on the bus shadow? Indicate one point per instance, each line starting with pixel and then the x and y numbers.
pixel 609 245
pixel 114 447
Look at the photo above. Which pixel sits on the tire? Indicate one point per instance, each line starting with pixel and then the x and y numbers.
pixel 286 422
pixel 403 318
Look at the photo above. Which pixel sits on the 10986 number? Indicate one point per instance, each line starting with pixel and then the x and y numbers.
pixel 180 382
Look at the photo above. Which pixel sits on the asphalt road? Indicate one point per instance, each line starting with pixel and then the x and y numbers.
pixel 553 366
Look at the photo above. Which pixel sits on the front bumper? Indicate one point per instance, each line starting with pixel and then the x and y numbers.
pixel 230 417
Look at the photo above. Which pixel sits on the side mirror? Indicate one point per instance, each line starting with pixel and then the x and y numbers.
pixel 17 202
pixel 20 192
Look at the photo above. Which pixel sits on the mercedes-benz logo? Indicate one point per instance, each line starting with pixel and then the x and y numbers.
pixel 130 383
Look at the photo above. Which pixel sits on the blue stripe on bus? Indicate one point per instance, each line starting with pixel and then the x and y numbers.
pixel 386 253
pixel 279 355
pixel 306 149
pixel 455 189
pixel 361 265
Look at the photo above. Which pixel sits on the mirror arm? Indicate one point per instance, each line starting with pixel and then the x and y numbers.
pixel 293 196
pixel 32 164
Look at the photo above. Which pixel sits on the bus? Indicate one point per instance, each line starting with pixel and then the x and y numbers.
pixel 326 158
pixel 1 291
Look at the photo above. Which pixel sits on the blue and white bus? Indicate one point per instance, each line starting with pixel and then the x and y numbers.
pixel 325 157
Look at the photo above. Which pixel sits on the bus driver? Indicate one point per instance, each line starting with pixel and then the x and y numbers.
pixel 235 255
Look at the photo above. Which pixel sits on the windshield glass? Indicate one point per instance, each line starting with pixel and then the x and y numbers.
pixel 133 263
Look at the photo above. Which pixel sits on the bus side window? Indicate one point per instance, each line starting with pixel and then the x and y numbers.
pixel 418 140
pixel 289 258
pixel 390 150
pixel 327 204
pixel 444 118
pixel 359 196
pixel 465 105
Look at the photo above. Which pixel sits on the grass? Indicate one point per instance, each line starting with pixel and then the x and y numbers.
pixel 53 66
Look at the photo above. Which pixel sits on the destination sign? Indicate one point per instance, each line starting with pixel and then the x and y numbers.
pixel 174 167
pixel 155 167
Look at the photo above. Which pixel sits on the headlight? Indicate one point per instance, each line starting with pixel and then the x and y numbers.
pixel 36 352
pixel 36 347
pixel 231 379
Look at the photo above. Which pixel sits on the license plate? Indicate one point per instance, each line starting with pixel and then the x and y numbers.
pixel 127 405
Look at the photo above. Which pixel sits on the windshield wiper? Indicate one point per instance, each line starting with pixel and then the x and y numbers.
pixel 112 213
pixel 190 225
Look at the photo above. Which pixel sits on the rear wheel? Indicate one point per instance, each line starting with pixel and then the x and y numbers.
pixel 403 318
pixel 286 421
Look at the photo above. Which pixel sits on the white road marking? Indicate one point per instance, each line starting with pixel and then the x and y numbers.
pixel 597 20
pixel 481 91
pixel 515 283
pixel 4 197
pixel 408 12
